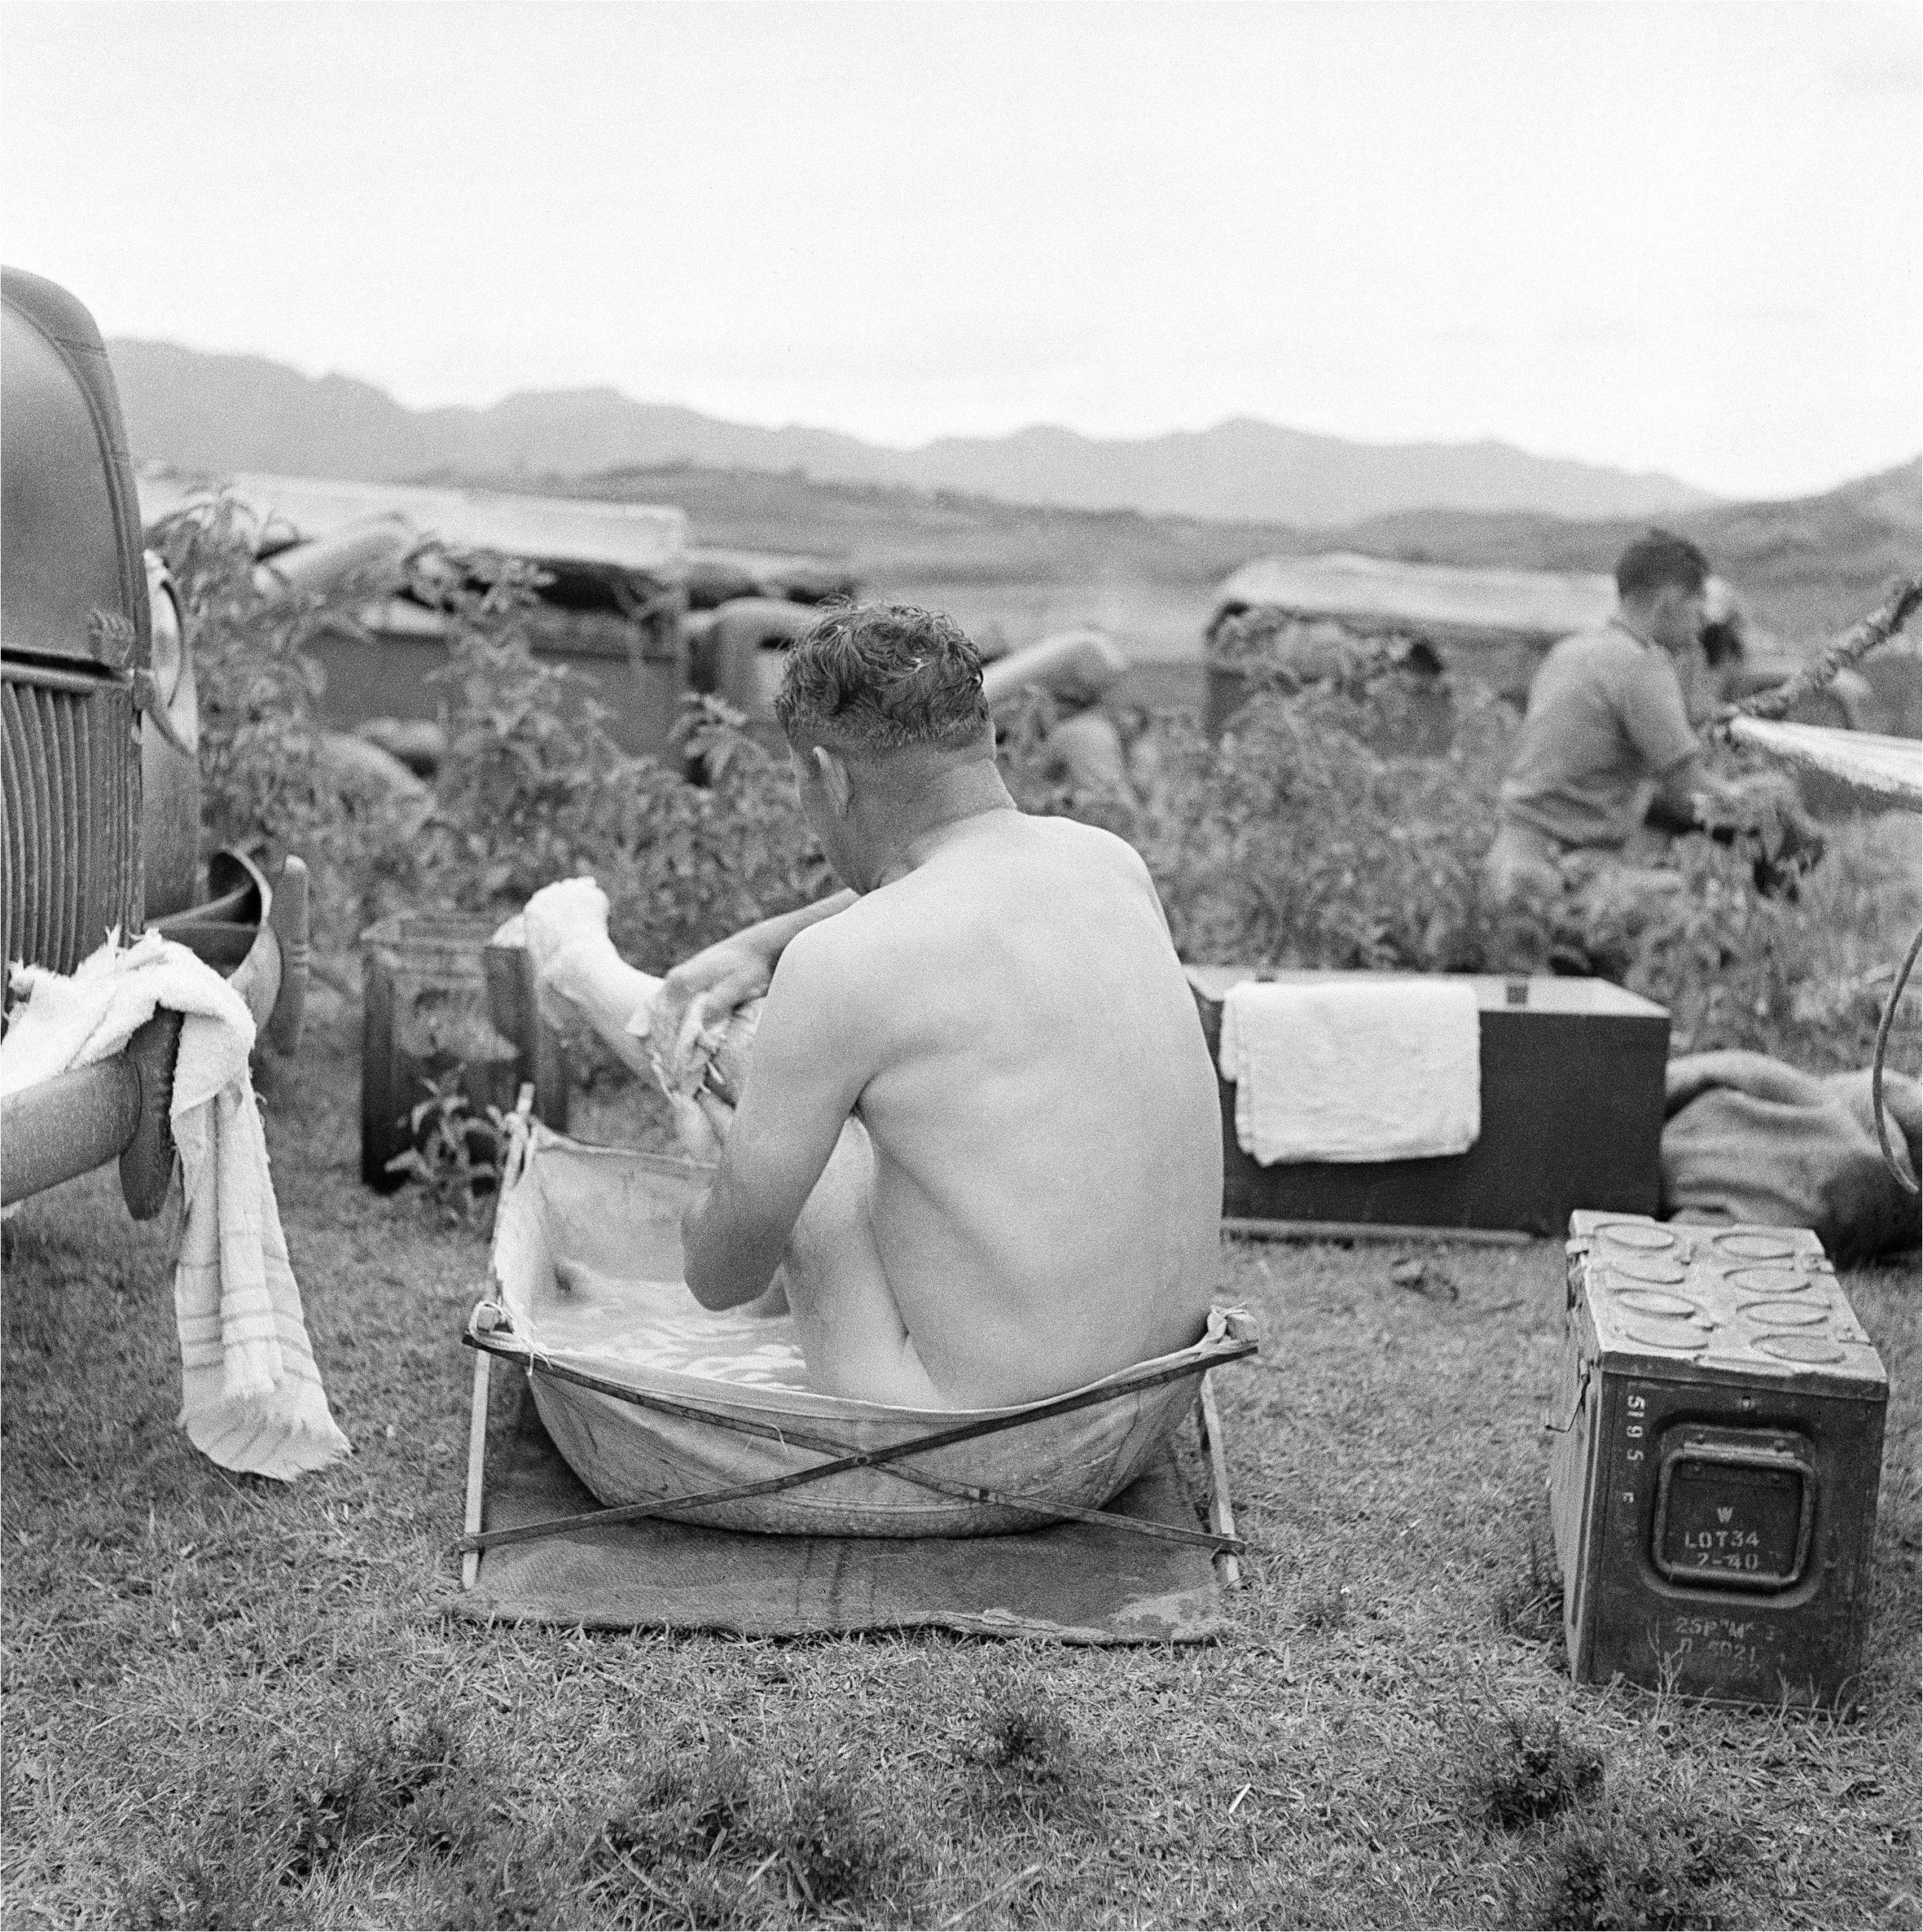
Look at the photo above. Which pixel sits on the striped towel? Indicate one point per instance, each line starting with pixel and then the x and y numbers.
pixel 252 1397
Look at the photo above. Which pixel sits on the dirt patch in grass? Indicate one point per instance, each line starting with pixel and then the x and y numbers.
pixel 713 1840
pixel 228 1702
pixel 1028 1760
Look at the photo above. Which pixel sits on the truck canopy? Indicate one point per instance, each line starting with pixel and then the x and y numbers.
pixel 1362 592
pixel 648 539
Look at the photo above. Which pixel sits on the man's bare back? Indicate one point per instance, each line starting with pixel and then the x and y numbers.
pixel 979 1135
pixel 1009 1023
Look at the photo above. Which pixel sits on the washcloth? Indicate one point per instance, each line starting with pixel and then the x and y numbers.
pixel 1352 1069
pixel 252 1397
pixel 580 977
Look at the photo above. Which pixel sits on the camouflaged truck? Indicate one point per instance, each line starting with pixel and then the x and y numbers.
pixel 101 795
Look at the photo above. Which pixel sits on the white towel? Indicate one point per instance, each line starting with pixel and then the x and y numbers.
pixel 579 976
pixel 252 1397
pixel 1353 1069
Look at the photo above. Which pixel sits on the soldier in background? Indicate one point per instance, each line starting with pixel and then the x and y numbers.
pixel 1070 674
pixel 1607 744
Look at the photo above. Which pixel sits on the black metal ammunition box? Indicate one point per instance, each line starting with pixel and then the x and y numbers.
pixel 1719 1435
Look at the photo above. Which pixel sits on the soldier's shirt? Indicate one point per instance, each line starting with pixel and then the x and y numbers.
pixel 1606 718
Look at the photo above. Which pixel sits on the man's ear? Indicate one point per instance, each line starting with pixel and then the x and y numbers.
pixel 834 776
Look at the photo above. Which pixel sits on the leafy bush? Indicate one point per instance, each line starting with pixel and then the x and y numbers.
pixel 1294 844
pixel 533 787
pixel 265 787
pixel 1634 1869
pixel 457 1152
pixel 1025 1758
pixel 715 1841
pixel 1522 1770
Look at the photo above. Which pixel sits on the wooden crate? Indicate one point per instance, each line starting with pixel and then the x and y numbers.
pixel 1719 1436
pixel 1572 1116
pixel 440 1002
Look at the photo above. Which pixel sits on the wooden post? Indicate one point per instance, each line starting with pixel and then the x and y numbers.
pixel 515 1011
pixel 1221 1512
pixel 1247 1228
pixel 477 1463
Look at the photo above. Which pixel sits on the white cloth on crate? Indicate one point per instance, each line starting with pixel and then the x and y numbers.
pixel 1353 1069
pixel 251 1397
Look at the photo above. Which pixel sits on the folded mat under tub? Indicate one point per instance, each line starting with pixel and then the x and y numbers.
pixel 1079 1583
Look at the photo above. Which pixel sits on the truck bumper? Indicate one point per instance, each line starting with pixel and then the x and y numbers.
pixel 79 1120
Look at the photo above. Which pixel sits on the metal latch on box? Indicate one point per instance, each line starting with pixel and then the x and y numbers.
pixel 1572 1406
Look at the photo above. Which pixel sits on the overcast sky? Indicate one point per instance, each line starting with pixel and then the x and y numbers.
pixel 1671 236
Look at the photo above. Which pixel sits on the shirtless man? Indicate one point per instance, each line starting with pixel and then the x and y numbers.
pixel 979 1136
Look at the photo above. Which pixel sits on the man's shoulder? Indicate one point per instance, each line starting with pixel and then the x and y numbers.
pixel 1087 845
pixel 1600 644
pixel 1606 657
pixel 866 941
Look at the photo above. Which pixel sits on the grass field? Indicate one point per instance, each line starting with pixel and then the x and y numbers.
pixel 229 1702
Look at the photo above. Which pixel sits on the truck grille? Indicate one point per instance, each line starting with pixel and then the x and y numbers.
pixel 72 797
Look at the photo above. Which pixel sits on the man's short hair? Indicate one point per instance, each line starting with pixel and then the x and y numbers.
pixel 1659 557
pixel 876 677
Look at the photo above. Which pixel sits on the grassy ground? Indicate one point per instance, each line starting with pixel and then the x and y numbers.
pixel 232 1703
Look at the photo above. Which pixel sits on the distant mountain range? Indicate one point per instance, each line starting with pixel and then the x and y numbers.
pixel 218 414
pixel 1803 567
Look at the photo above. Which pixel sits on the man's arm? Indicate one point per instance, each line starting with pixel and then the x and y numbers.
pixel 1674 807
pixel 1650 705
pixel 734 970
pixel 813 1055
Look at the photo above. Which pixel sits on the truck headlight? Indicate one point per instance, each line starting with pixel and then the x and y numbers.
pixel 170 642
pixel 173 699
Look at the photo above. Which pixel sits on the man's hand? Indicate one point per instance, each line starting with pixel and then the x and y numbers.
pixel 698 996
pixel 1761 814
pixel 701 1124
pixel 701 992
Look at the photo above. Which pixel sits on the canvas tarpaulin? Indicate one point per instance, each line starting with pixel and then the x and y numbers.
pixel 1749 1140
pixel 1886 771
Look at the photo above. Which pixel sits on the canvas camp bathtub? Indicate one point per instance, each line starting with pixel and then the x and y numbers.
pixel 651 1399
